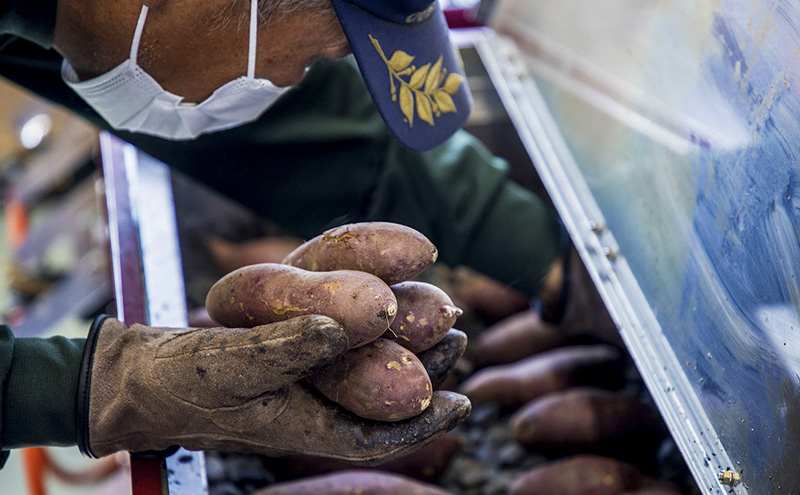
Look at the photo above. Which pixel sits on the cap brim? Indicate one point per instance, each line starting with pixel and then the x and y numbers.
pixel 413 73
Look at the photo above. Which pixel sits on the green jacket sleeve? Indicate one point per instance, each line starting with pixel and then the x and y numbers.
pixel 33 20
pixel 6 357
pixel 39 391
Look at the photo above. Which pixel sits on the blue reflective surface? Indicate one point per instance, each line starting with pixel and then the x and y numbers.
pixel 684 118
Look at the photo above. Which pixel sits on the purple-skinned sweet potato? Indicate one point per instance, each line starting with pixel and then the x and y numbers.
pixel 270 292
pixel 390 251
pixel 516 384
pixel 425 313
pixel 381 380
pixel 588 419
pixel 588 475
pixel 514 338
pixel 361 482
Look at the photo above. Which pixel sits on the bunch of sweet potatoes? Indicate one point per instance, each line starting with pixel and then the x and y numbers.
pixel 359 275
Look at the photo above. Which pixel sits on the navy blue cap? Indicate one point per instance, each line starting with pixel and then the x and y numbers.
pixel 411 69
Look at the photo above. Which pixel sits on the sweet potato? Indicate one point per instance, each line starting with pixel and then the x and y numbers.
pixel 491 300
pixel 381 380
pixel 424 315
pixel 580 475
pixel 270 292
pixel 589 420
pixel 589 475
pixel 360 482
pixel 513 385
pixel 390 251
pixel 516 337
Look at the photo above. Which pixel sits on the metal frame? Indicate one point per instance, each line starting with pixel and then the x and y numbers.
pixel 148 282
pixel 690 427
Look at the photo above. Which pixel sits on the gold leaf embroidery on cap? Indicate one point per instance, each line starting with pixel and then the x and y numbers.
pixel 427 91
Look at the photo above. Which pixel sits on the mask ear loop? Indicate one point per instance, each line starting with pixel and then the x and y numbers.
pixel 251 53
pixel 137 35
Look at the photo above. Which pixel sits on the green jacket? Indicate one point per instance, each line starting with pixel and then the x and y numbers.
pixel 320 157
pixel 39 390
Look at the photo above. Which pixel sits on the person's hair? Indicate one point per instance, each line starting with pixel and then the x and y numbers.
pixel 268 11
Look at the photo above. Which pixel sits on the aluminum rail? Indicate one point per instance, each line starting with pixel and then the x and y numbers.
pixel 148 282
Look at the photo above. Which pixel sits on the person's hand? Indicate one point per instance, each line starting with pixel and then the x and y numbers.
pixel 149 389
pixel 438 360
pixel 570 301
pixel 243 389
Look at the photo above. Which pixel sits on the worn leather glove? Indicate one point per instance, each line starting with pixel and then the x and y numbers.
pixel 150 389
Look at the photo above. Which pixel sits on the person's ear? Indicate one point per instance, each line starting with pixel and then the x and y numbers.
pixel 153 4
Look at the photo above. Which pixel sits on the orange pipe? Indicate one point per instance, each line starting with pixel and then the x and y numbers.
pixel 16 222
pixel 34 464
pixel 37 464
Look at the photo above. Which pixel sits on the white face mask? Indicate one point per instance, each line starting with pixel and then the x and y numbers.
pixel 129 99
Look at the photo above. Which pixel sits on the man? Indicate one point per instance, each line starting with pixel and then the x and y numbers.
pixel 360 166
pixel 204 89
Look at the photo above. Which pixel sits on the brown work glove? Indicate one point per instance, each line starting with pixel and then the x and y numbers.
pixel 150 389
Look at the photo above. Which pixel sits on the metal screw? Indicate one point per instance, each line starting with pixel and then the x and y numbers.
pixel 610 253
pixel 596 227
pixel 729 478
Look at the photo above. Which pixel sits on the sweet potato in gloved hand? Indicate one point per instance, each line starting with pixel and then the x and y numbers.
pixel 234 389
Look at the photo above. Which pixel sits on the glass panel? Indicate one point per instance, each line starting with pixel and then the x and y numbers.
pixel 682 119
